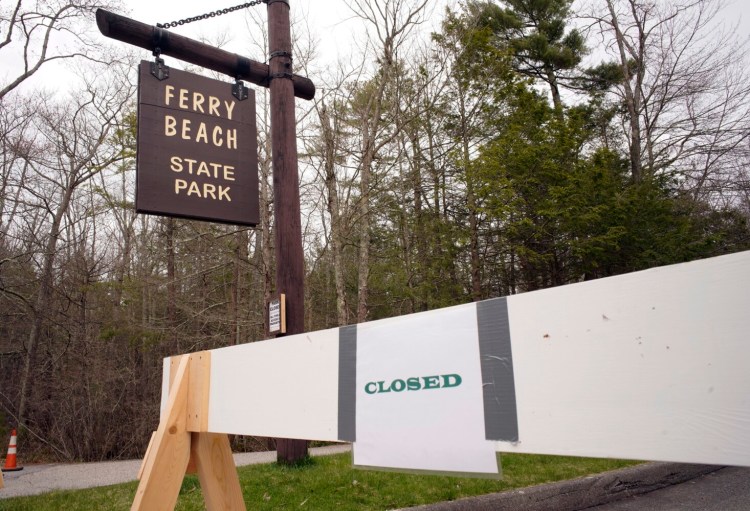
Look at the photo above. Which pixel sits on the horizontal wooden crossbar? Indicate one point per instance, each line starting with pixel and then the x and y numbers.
pixel 150 37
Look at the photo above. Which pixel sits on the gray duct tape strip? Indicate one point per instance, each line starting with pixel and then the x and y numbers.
pixel 348 383
pixel 500 415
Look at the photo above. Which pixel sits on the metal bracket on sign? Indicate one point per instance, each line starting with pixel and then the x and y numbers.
pixel 239 90
pixel 158 68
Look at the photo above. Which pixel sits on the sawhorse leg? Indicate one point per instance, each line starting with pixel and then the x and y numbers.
pixel 182 440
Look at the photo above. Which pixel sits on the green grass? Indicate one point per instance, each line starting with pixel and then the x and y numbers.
pixel 330 482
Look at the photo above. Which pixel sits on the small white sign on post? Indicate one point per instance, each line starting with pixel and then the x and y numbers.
pixel 277 315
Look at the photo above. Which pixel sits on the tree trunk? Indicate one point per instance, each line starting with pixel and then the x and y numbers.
pixel 334 211
pixel 42 303
pixel 555 89
pixel 240 257
pixel 632 95
pixel 171 286
pixel 364 228
pixel 420 234
pixel 474 258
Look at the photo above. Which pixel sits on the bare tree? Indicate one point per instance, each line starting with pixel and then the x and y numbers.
pixel 116 189
pixel 16 142
pixel 76 136
pixel 335 174
pixel 389 26
pixel 34 35
pixel 685 90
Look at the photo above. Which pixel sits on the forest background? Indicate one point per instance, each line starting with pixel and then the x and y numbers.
pixel 523 144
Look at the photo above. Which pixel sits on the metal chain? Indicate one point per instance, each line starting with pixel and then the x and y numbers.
pixel 213 14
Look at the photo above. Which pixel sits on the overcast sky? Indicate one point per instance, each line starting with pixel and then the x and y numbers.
pixel 323 17
pixel 330 22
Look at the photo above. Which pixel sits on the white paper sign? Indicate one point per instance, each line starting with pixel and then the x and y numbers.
pixel 419 394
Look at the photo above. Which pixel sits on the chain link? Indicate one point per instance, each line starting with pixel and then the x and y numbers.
pixel 213 14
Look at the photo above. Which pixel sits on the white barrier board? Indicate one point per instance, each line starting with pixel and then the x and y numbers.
pixel 651 365
pixel 277 388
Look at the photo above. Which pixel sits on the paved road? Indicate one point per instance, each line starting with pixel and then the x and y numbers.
pixel 647 480
pixel 727 489
pixel 36 479
pixel 657 486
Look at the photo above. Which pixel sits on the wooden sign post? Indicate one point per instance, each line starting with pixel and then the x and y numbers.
pixel 289 257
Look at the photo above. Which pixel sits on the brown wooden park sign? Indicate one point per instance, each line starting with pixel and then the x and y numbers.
pixel 197 149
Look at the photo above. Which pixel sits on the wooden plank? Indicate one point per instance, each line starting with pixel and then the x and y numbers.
pixel 164 469
pixel 650 365
pixel 146 457
pixel 149 37
pixel 166 369
pixel 2 485
pixel 198 392
pixel 249 381
pixel 174 363
pixel 170 370
pixel 217 472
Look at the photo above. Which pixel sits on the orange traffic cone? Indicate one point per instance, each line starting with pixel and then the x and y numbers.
pixel 10 460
